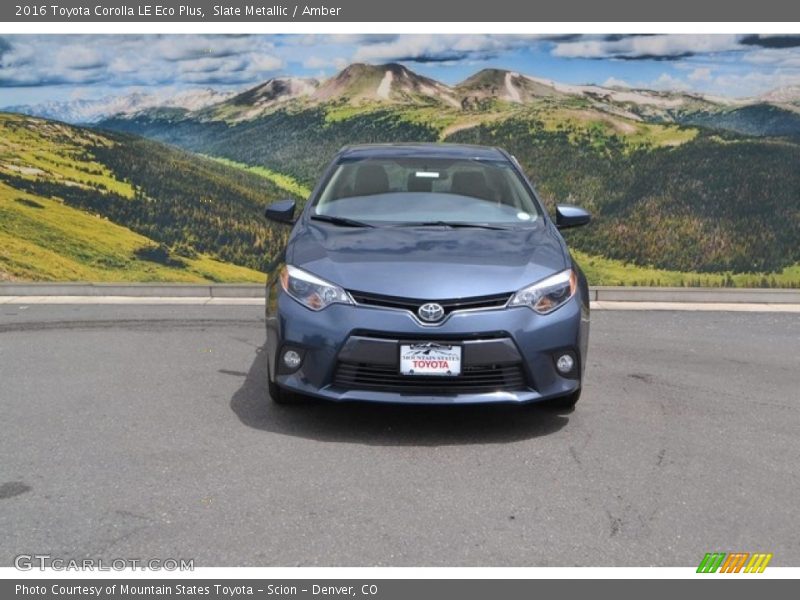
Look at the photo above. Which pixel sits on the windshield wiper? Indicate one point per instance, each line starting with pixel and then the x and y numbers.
pixel 453 224
pixel 343 221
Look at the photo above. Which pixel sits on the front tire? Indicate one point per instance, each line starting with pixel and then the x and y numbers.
pixel 564 403
pixel 280 395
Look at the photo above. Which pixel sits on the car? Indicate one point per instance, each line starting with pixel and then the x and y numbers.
pixel 426 274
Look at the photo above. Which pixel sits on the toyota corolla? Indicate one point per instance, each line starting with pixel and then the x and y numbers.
pixel 426 274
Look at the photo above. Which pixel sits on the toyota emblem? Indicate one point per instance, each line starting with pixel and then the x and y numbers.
pixel 431 312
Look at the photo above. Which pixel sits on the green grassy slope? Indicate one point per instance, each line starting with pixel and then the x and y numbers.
pixel 299 141
pixel 82 204
pixel 298 144
pixel 41 239
pixel 707 205
pixel 679 199
pixel 600 270
pixel 755 119
pixel 285 182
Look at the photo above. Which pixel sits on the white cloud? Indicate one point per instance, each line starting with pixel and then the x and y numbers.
pixel 614 82
pixel 438 48
pixel 651 46
pixel 136 60
pixel 755 83
pixel 700 74
pixel 80 58
pixel 786 58
pixel 265 62
pixel 211 65
pixel 721 64
pixel 190 47
pixel 667 82
pixel 359 39
pixel 315 62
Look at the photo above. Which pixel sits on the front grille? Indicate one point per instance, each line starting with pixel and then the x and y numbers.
pixel 411 304
pixel 473 379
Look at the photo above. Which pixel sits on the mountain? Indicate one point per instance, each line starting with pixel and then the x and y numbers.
pixel 776 113
pixel 762 119
pixel 358 84
pixel 78 204
pixel 383 83
pixel 636 104
pixel 260 99
pixel 275 90
pixel 503 85
pixel 391 85
pixel 786 95
pixel 711 204
pixel 92 111
pixel 670 185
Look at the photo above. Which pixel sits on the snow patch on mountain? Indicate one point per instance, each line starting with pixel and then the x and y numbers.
pixel 385 86
pixel 631 96
pixel 94 110
pixel 513 92
pixel 789 95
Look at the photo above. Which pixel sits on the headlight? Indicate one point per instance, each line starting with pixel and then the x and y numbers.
pixel 548 294
pixel 311 291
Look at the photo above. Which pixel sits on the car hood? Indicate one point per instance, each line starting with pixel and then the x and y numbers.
pixel 427 262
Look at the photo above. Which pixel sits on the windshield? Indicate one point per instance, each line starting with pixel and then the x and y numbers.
pixel 427 190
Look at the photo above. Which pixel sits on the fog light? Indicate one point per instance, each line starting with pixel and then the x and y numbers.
pixel 292 359
pixel 565 363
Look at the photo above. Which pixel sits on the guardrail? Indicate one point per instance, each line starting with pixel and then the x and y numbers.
pixel 235 290
pixel 137 290
pixel 695 295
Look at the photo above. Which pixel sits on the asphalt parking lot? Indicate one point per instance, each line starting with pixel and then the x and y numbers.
pixel 145 431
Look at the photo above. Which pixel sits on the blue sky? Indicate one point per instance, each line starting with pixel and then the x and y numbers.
pixel 42 68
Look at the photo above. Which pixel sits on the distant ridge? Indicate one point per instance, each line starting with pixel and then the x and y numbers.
pixel 776 113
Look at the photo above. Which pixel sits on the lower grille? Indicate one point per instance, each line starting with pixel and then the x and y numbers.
pixel 473 379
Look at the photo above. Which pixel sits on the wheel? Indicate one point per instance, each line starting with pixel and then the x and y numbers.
pixel 277 393
pixel 564 403
pixel 280 395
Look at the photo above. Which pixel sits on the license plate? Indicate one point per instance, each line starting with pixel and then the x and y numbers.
pixel 430 358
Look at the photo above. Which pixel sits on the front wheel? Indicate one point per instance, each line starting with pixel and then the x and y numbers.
pixel 564 403
pixel 280 395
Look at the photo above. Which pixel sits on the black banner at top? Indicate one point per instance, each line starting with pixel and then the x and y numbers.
pixel 405 11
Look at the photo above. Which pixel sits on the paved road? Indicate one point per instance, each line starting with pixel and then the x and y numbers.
pixel 145 431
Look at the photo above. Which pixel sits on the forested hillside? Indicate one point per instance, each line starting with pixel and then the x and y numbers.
pixel 662 196
pixel 297 143
pixel 710 204
pixel 673 202
pixel 173 208
pixel 756 119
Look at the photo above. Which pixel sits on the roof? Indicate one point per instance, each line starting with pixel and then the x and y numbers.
pixel 415 149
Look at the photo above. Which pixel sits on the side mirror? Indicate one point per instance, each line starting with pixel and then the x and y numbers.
pixel 281 211
pixel 571 216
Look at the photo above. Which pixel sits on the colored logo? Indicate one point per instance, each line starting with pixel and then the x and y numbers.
pixel 734 562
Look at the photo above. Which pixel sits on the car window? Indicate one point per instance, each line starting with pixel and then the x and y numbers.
pixel 425 189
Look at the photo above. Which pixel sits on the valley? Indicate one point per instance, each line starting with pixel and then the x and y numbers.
pixel 684 189
pixel 705 204
pixel 80 205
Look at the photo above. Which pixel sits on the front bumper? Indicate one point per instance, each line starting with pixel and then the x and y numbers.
pixel 351 353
